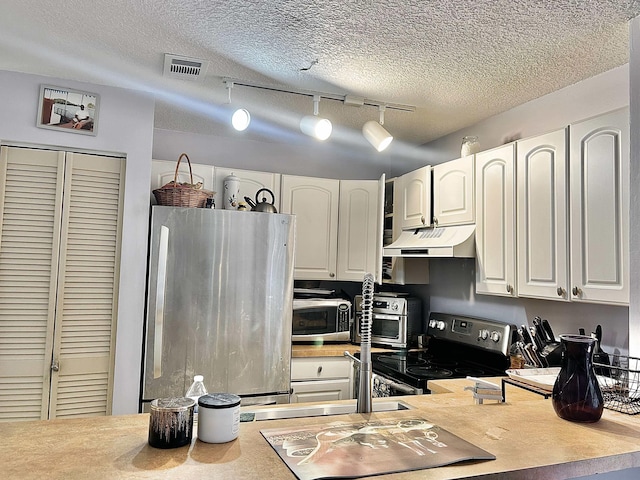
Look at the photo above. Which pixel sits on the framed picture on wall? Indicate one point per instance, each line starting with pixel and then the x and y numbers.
pixel 68 110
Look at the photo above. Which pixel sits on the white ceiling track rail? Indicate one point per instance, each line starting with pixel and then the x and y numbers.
pixel 346 99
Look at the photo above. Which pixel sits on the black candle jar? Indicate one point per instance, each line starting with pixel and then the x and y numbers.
pixel 171 422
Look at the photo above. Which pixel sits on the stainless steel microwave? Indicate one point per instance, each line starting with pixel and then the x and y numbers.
pixel 319 320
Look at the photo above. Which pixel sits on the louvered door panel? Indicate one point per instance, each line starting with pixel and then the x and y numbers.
pixel 30 208
pixel 87 286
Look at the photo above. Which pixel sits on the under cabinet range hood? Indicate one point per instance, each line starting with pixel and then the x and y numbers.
pixel 444 242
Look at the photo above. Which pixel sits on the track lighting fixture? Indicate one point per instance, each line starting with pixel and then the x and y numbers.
pixel 318 127
pixel 241 117
pixel 375 133
pixel 315 126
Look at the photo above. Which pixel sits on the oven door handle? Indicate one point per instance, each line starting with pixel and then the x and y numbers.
pixel 383 316
pixel 401 387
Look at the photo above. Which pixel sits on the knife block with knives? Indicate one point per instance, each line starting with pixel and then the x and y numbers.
pixel 538 345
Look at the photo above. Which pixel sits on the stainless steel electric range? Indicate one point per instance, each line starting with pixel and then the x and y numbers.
pixel 458 346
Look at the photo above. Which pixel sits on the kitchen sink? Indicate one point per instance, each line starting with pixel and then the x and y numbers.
pixel 280 412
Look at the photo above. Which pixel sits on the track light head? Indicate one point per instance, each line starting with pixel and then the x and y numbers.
pixel 376 135
pixel 316 127
pixel 241 119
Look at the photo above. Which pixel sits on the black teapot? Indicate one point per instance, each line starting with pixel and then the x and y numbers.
pixel 262 206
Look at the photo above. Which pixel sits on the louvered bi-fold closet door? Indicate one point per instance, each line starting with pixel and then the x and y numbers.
pixel 84 343
pixel 30 212
pixel 60 229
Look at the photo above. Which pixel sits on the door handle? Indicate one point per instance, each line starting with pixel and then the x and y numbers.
pixel 161 282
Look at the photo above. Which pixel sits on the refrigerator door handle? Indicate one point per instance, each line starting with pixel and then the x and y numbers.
pixel 160 295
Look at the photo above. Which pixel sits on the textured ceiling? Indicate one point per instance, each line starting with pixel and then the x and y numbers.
pixel 457 62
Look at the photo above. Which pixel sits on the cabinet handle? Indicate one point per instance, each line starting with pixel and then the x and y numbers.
pixel 55 366
pixel 561 291
pixel 435 221
pixel 422 219
pixel 577 291
pixel 332 274
pixel 319 370
pixel 509 288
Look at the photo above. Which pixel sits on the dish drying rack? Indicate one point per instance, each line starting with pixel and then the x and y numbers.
pixel 620 384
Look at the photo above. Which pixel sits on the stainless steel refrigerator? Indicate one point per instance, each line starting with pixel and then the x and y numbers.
pixel 219 303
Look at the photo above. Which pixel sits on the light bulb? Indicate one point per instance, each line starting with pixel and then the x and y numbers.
pixel 317 127
pixel 241 119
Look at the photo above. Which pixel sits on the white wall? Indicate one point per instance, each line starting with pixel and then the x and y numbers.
pixel 125 126
pixel 634 202
pixel 306 157
pixel 591 97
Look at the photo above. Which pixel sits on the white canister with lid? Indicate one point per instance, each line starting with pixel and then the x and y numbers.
pixel 231 187
pixel 219 417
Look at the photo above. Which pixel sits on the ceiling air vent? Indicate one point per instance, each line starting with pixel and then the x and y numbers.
pixel 184 67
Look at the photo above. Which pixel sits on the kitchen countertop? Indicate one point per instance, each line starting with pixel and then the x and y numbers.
pixel 327 350
pixel 527 438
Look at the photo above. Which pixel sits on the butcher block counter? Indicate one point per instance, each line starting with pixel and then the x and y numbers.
pixel 527 438
pixel 327 350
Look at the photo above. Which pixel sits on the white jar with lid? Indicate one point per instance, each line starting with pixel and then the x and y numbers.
pixel 470 145
pixel 219 417
pixel 231 187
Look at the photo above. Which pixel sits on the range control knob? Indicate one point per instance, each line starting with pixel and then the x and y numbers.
pixel 483 334
pixel 495 336
pixel 441 325
pixel 433 323
pixel 395 306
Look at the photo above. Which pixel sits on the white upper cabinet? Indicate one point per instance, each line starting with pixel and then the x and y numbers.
pixel 453 197
pixel 415 198
pixel 543 268
pixel 338 227
pixel 496 221
pixel 250 183
pixel 314 202
pixel 599 206
pixel 360 226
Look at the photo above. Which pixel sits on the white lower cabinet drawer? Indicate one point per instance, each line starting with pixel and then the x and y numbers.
pixel 319 368
pixel 321 390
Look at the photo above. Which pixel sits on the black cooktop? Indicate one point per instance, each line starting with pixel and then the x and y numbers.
pixel 417 368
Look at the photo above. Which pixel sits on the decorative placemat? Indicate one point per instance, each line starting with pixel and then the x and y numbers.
pixel 339 450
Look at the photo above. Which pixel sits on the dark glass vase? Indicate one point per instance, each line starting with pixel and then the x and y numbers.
pixel 576 394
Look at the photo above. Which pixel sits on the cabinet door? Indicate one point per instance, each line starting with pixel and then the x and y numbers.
pixel 495 221
pixel 250 183
pixel 453 187
pixel 403 271
pixel 320 391
pixel 542 224
pixel 599 206
pixel 359 229
pixel 415 199
pixel 314 202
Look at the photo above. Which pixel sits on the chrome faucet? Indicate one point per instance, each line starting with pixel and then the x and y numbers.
pixel 364 395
